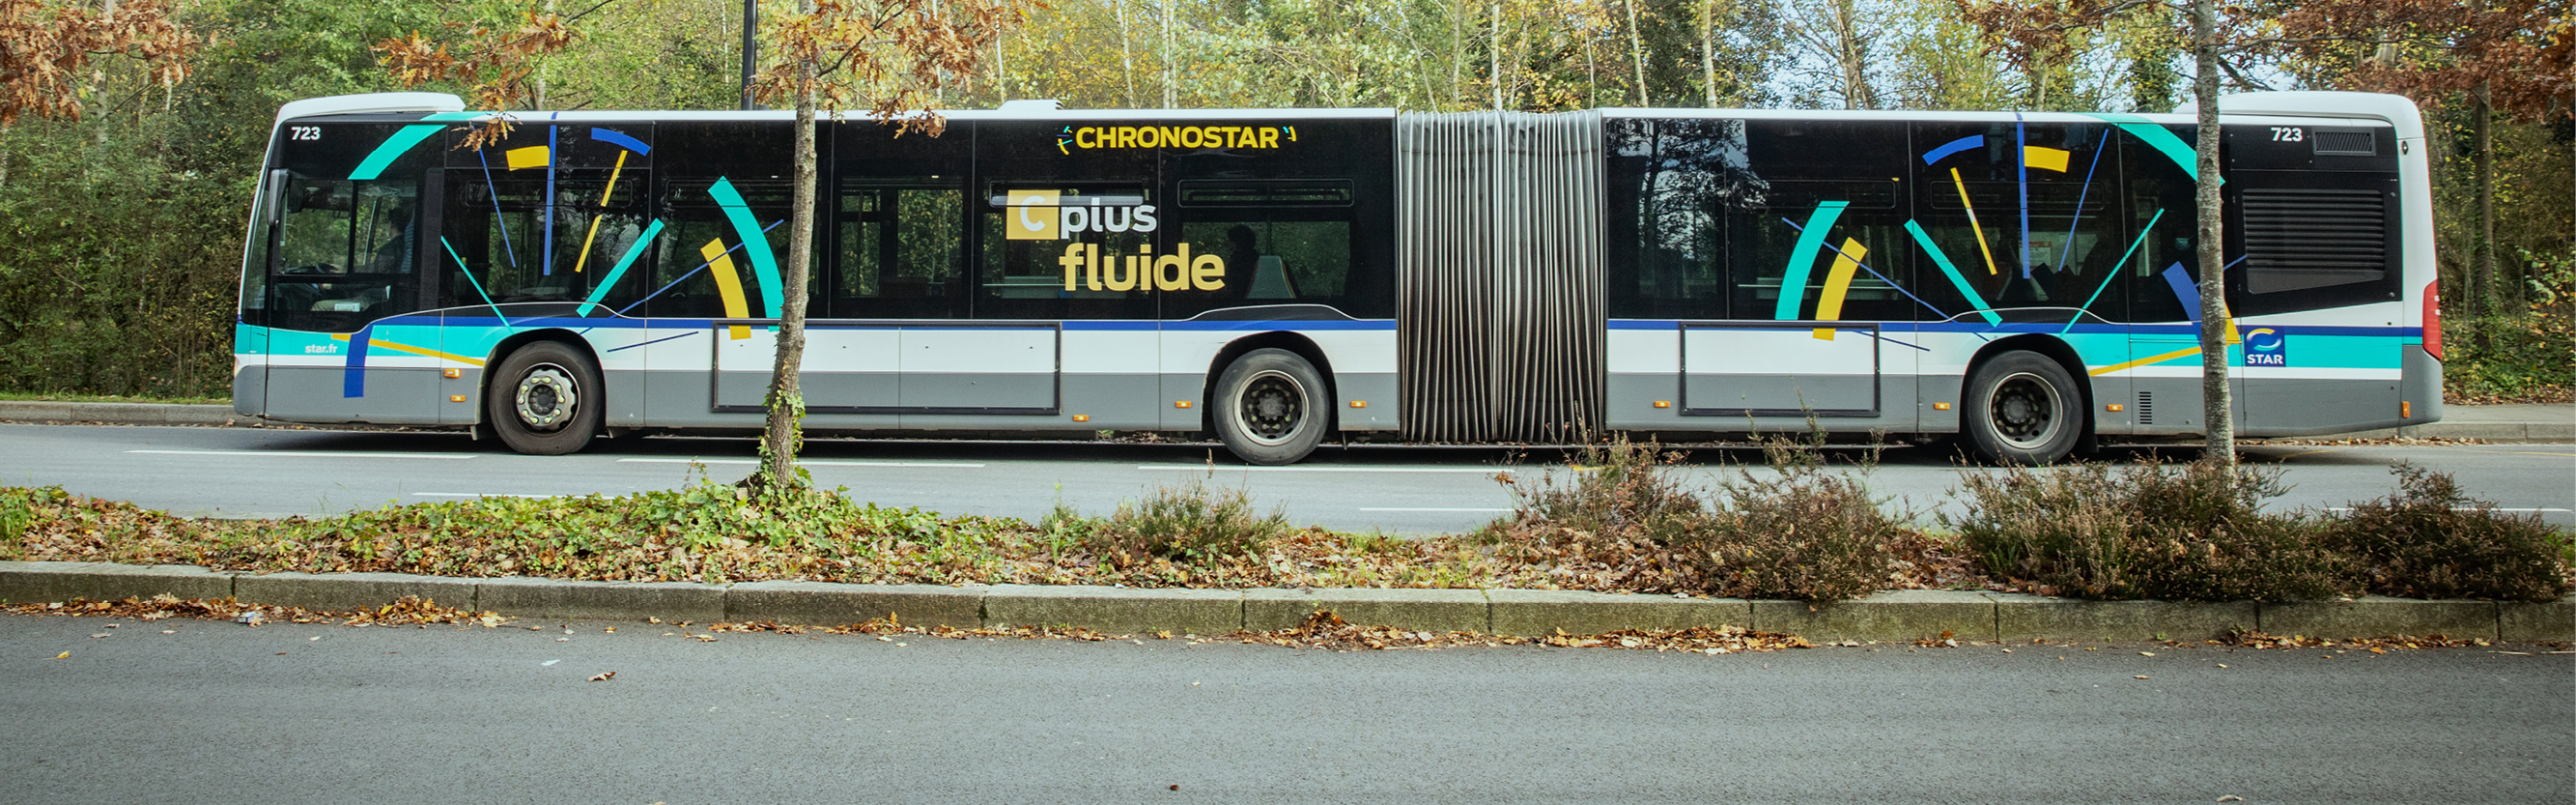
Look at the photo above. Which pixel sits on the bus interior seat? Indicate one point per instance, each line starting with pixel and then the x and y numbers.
pixel 1270 280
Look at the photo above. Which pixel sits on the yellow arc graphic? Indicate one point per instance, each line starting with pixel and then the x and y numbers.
pixel 1973 228
pixel 1829 307
pixel 2146 361
pixel 2044 158
pixel 383 344
pixel 728 286
pixel 593 237
pixel 534 156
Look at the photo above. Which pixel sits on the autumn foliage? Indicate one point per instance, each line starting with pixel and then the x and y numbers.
pixel 46 52
pixel 494 64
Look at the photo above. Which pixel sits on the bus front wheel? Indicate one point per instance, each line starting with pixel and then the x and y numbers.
pixel 1270 407
pixel 2022 408
pixel 545 399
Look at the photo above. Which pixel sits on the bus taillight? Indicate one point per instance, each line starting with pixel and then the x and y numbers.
pixel 2433 320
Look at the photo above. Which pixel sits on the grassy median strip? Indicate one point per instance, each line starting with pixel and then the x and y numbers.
pixel 1613 520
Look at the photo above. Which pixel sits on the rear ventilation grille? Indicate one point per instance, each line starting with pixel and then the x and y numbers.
pixel 2146 408
pixel 2298 239
pixel 2344 143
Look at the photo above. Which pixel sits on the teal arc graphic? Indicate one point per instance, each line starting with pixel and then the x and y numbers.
pixel 1957 280
pixel 1802 259
pixel 755 244
pixel 2157 136
pixel 609 282
pixel 401 143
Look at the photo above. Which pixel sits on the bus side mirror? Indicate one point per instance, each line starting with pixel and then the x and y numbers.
pixel 278 203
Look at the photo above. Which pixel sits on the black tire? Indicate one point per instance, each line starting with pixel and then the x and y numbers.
pixel 1271 407
pixel 2022 408
pixel 545 399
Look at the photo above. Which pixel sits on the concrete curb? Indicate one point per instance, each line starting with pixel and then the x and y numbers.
pixel 51 413
pixel 1899 615
pixel 2550 431
pixel 2498 432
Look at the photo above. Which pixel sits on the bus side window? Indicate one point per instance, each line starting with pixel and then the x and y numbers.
pixel 1104 270
pixel 1843 176
pixel 1275 242
pixel 2157 191
pixel 899 250
pixel 1669 183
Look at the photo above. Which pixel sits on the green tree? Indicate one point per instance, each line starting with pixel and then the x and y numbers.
pixel 889 57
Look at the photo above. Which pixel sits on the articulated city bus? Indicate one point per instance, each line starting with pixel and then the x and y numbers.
pixel 1277 278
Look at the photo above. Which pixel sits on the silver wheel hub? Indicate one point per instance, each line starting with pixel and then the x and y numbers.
pixel 2024 411
pixel 546 397
pixel 1272 408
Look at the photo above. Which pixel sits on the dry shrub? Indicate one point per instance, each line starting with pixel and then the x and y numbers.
pixel 1809 534
pixel 1185 522
pixel 2146 530
pixel 2429 540
pixel 1806 534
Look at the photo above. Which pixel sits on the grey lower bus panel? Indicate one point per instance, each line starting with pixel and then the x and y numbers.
pixel 250 390
pixel 319 394
pixel 680 398
pixel 2310 407
pixel 1376 390
pixel 1500 271
pixel 1632 399
pixel 2419 385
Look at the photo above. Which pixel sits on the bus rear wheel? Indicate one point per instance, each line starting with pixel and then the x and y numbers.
pixel 545 399
pixel 2022 408
pixel 1270 407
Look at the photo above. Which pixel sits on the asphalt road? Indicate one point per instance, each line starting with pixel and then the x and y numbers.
pixel 217 712
pixel 241 472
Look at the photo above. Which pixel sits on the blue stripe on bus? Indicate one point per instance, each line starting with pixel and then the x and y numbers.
pixel 2165 329
pixel 1222 326
pixel 2176 328
pixel 1094 324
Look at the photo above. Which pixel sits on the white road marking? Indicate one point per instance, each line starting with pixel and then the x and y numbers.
pixel 1423 509
pixel 800 462
pixel 479 495
pixel 307 454
pixel 2470 508
pixel 1227 468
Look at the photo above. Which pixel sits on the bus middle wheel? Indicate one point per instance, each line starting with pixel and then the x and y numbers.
pixel 2022 408
pixel 1270 407
pixel 545 399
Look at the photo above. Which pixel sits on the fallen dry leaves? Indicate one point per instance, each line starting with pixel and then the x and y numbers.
pixel 2375 645
pixel 410 611
pixel 1326 630
pixel 629 538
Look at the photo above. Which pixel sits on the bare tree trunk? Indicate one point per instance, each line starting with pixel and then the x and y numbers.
pixel 1496 55
pixel 1708 51
pixel 2217 408
pixel 1636 51
pixel 539 101
pixel 1126 52
pixel 1852 56
pixel 1167 54
pixel 1457 54
pixel 779 442
pixel 2489 300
